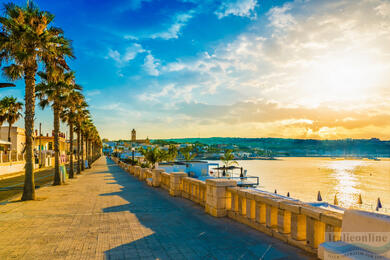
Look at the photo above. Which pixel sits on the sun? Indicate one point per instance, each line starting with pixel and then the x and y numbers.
pixel 341 76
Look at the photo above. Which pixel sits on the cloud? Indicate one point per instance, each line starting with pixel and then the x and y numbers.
pixel 91 93
pixel 245 8
pixel 280 18
pixel 315 51
pixel 151 65
pixel 321 122
pixel 172 92
pixel 173 31
pixel 321 70
pixel 130 53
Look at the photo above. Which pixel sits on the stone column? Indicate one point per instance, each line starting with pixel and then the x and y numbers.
pixel 250 206
pixel 156 176
pixel 142 173
pixel 175 183
pixel 136 171
pixel 284 221
pixel 242 203
pixel 315 229
pixel 272 206
pixel 333 222
pixel 216 196
pixel 261 213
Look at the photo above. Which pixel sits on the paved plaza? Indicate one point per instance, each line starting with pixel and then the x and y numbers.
pixel 106 213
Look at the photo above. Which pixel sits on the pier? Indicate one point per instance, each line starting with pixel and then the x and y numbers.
pixel 108 213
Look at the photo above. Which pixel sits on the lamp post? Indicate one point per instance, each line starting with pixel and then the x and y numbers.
pixel 132 155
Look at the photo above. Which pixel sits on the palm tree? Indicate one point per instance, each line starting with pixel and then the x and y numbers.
pixel 68 116
pixel 6 85
pixel 81 114
pixel 54 90
pixel 2 113
pixel 172 153
pixel 153 155
pixel 187 153
pixel 11 113
pixel 87 127
pixel 228 158
pixel 26 39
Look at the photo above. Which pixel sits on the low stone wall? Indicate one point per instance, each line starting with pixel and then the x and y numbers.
pixel 11 167
pixel 291 221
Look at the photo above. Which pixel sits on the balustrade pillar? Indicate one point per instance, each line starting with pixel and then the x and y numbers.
pixel 298 226
pixel 217 196
pixel 250 206
pixel 156 176
pixel 175 183
pixel 315 229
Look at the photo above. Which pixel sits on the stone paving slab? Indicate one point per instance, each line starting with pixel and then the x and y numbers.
pixel 107 214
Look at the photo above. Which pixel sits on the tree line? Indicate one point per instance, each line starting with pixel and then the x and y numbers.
pixel 30 48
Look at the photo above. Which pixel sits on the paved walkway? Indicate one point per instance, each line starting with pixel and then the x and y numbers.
pixel 105 213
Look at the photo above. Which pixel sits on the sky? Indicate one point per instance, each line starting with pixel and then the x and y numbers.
pixel 241 68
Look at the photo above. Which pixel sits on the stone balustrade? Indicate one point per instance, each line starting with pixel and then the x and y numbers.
pixel 195 190
pixel 165 180
pixel 291 221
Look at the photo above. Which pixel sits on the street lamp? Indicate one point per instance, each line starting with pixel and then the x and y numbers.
pixel 132 155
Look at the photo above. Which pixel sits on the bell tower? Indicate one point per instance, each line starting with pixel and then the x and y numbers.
pixel 133 135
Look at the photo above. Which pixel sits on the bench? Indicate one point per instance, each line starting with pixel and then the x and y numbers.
pixel 364 235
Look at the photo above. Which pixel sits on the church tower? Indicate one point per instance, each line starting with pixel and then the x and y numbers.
pixel 133 135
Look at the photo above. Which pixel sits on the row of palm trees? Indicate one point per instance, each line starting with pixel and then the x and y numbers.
pixel 154 155
pixel 28 43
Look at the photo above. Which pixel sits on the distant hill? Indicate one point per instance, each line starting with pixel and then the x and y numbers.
pixel 300 147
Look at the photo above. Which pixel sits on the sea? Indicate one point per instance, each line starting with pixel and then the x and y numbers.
pixel 345 179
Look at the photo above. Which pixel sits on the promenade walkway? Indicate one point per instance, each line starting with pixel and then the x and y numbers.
pixel 106 213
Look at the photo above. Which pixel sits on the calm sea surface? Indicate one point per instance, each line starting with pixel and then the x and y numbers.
pixel 304 177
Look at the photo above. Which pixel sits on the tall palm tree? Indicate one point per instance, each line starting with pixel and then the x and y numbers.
pixel 54 90
pixel 11 114
pixel 68 115
pixel 27 38
pixel 87 127
pixel 81 114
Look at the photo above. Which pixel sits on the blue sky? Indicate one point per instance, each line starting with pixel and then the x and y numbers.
pixel 249 68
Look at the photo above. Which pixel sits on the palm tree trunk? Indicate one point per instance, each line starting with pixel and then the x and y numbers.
pixel 86 149
pixel 82 153
pixel 57 176
pixel 29 99
pixel 71 171
pixel 78 151
pixel 9 131
pixel 89 154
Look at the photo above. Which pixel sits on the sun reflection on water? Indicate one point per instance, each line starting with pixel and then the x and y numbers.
pixel 344 174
